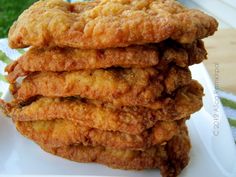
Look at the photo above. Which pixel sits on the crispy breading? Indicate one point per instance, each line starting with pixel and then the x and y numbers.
pixel 118 86
pixel 182 55
pixel 108 23
pixel 94 114
pixel 59 132
pixel 170 158
pixel 70 59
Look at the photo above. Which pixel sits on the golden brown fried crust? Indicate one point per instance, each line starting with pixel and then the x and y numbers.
pixel 132 120
pixel 170 158
pixel 94 114
pixel 118 86
pixel 69 59
pixel 61 132
pixel 182 55
pixel 108 23
pixel 186 98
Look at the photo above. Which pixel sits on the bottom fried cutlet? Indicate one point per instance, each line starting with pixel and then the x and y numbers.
pixel 61 132
pixel 170 157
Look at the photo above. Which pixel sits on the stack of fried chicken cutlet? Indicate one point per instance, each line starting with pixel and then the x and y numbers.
pixel 108 81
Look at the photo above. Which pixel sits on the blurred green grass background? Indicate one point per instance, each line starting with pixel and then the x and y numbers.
pixel 9 11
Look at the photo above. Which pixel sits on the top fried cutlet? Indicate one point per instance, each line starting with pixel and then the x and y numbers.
pixel 71 59
pixel 108 23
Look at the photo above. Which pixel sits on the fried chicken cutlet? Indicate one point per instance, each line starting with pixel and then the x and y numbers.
pixel 119 86
pixel 108 81
pixel 108 24
pixel 61 132
pixel 170 158
pixel 70 59
pixel 94 114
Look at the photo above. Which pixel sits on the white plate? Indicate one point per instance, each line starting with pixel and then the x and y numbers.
pixel 213 151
